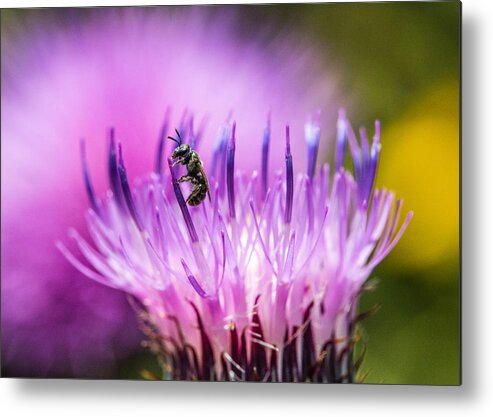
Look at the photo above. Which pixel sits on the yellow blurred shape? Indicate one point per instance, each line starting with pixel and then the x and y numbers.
pixel 420 162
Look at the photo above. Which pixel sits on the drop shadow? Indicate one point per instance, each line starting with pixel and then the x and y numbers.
pixel 209 393
pixel 470 196
pixel 323 394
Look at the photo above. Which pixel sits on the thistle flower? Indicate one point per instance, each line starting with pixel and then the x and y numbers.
pixel 262 282
pixel 70 73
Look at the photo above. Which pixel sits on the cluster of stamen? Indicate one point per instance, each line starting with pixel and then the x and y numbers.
pixel 262 282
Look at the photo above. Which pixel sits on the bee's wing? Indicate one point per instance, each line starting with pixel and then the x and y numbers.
pixel 205 179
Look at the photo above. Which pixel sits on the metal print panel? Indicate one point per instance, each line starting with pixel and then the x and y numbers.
pixel 232 193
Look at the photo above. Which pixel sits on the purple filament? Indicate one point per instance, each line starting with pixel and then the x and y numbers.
pixel 127 194
pixel 341 139
pixel 87 178
pixel 183 205
pixel 222 167
pixel 312 143
pixel 113 170
pixel 193 281
pixel 289 180
pixel 265 158
pixel 218 164
pixel 230 170
pixel 373 160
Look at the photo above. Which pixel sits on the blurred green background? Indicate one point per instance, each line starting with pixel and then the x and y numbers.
pixel 400 63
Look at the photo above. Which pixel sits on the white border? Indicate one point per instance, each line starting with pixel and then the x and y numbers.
pixel 89 3
pixel 122 398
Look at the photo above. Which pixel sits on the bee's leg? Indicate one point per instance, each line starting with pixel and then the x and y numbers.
pixel 177 161
pixel 186 178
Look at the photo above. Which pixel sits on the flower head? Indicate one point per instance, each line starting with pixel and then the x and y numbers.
pixel 260 283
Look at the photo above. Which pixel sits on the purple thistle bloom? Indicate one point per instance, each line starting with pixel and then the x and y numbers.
pixel 259 284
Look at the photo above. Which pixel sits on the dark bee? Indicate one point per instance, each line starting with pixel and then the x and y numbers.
pixel 185 155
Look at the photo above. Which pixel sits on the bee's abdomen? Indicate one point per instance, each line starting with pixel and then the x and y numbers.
pixel 197 195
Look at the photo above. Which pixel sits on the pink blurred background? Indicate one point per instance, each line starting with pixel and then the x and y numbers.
pixel 72 73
